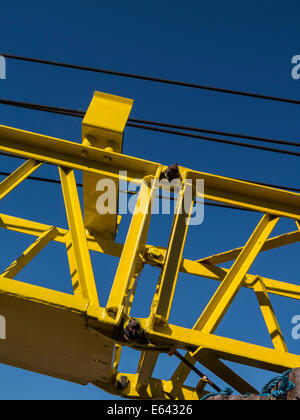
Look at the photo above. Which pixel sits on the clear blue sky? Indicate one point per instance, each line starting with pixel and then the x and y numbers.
pixel 236 45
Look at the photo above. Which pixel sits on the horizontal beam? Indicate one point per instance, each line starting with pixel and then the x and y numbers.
pixel 30 253
pixel 209 271
pixel 72 155
pixel 82 260
pixel 42 295
pixel 76 156
pixel 248 195
pixel 157 389
pixel 114 249
pixel 224 348
pixel 29 227
pixel 272 243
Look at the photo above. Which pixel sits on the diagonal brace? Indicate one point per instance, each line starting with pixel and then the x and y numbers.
pixel 81 251
pixel 217 307
pixel 226 292
pixel 162 303
pixel 269 316
pixel 30 253
pixel 14 179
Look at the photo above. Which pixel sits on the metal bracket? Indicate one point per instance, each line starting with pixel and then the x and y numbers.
pixel 103 128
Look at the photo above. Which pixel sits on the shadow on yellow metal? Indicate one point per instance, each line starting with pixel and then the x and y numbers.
pixel 71 336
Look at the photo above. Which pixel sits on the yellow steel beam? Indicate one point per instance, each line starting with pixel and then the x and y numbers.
pixel 212 272
pixel 128 301
pixel 136 239
pixel 199 390
pixel 132 286
pixel 47 334
pixel 28 227
pixel 42 295
pixel 117 357
pixel 181 337
pixel 73 265
pixel 217 188
pixel 223 348
pixel 248 195
pixel 219 273
pixel 100 156
pixel 81 251
pixel 269 316
pixel 103 128
pixel 72 155
pixel 146 367
pixel 30 253
pixel 272 243
pixel 223 297
pixel 157 389
pixel 212 363
pixel 168 279
pixel 14 179
pixel 218 305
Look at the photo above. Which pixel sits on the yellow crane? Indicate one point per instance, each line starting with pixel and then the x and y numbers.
pixel 70 336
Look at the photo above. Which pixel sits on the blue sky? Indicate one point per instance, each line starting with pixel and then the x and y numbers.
pixel 236 45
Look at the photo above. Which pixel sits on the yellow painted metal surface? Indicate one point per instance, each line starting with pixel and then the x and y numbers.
pixel 82 260
pixel 13 180
pixel 161 306
pixel 103 128
pixel 70 336
pixel 47 334
pixel 269 316
pixel 136 239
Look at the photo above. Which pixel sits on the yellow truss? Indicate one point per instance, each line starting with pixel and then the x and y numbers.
pixel 88 350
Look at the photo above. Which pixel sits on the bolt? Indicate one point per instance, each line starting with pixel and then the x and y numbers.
pixel 107 157
pixel 123 383
pixel 132 329
pixel 171 173
pixel 84 154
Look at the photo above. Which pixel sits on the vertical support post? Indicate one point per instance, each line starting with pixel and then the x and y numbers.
pixel 136 238
pixel 117 357
pixel 145 369
pixel 162 304
pixel 81 251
